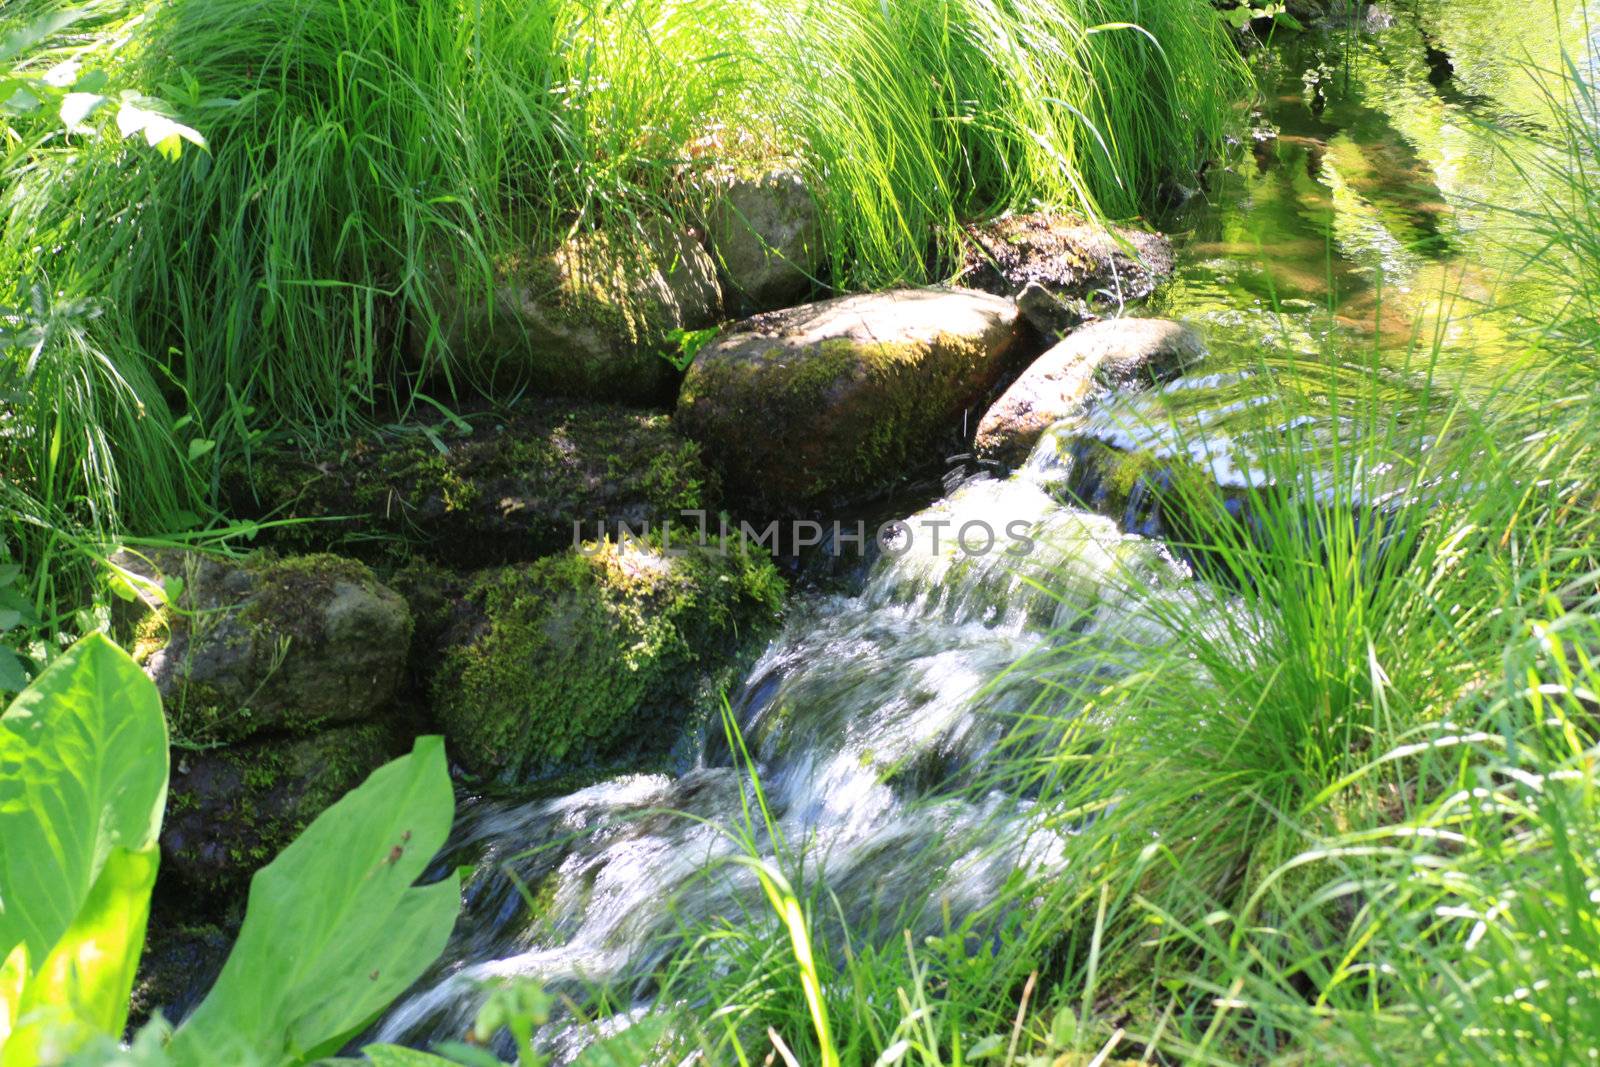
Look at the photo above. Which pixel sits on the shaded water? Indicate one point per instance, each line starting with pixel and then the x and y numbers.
pixel 1320 265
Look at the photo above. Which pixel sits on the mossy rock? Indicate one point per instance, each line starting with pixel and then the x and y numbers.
pixel 828 401
pixel 231 810
pixel 591 319
pixel 579 656
pixel 269 645
pixel 1057 264
pixel 506 486
pixel 765 233
pixel 180 963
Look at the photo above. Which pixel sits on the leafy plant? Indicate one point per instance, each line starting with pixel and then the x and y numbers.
pixel 334 928
pixel 83 780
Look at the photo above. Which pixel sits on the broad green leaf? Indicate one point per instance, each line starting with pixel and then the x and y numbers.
pixel 334 928
pixel 82 989
pixel 83 776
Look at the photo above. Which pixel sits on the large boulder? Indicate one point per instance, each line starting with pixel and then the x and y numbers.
pixel 1059 383
pixel 593 652
pixel 269 646
pixel 829 400
pixel 765 234
pixel 1060 267
pixel 230 810
pixel 497 488
pixel 592 320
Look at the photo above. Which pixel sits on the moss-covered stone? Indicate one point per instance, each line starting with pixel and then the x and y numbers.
pixel 590 320
pixel 1057 265
pixel 828 401
pixel 231 810
pixel 581 655
pixel 508 487
pixel 269 645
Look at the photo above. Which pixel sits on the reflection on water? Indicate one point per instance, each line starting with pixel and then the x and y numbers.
pixel 1372 196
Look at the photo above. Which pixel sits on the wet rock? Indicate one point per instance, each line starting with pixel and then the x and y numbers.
pixel 1059 383
pixel 592 320
pixel 765 234
pixel 180 963
pixel 581 655
pixel 829 400
pixel 1059 266
pixel 230 810
pixel 505 486
pixel 269 646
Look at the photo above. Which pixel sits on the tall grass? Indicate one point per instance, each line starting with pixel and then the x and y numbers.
pixel 372 164
pixel 1336 802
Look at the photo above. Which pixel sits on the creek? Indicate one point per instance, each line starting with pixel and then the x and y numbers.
pixel 1331 261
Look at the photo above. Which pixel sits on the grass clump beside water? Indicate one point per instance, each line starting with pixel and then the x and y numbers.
pixel 1333 798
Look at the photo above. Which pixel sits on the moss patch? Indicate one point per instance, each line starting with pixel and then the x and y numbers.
pixel 509 488
pixel 583 654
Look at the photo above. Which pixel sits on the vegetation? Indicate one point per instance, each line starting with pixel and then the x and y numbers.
pixel 1326 791
pixel 334 928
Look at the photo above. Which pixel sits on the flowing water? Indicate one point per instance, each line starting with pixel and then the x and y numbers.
pixel 1322 264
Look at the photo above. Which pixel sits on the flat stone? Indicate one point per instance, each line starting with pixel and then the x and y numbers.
pixel 1059 384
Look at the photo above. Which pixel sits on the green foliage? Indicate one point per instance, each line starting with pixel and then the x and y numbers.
pixel 83 779
pixel 334 928
pixel 375 167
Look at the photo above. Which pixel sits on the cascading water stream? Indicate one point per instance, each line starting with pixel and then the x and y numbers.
pixel 865 720
pixel 1313 269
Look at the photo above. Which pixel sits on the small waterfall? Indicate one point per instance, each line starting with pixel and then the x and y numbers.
pixel 866 719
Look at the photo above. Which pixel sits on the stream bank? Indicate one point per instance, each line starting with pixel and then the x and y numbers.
pixel 868 715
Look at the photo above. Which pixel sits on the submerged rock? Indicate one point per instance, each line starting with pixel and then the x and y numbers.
pixel 1057 265
pixel 591 320
pixel 270 646
pixel 829 400
pixel 231 810
pixel 765 234
pixel 508 488
pixel 581 655
pixel 1059 383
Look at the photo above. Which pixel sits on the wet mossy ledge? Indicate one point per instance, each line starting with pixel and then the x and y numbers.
pixel 282 679
pixel 489 487
pixel 595 651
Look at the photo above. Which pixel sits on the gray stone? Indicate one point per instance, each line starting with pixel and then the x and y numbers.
pixel 1061 267
pixel 270 646
pixel 829 400
pixel 1059 383
pixel 591 320
pixel 765 234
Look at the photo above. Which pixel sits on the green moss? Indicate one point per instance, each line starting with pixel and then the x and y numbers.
pixel 510 489
pixel 578 654
pixel 853 412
